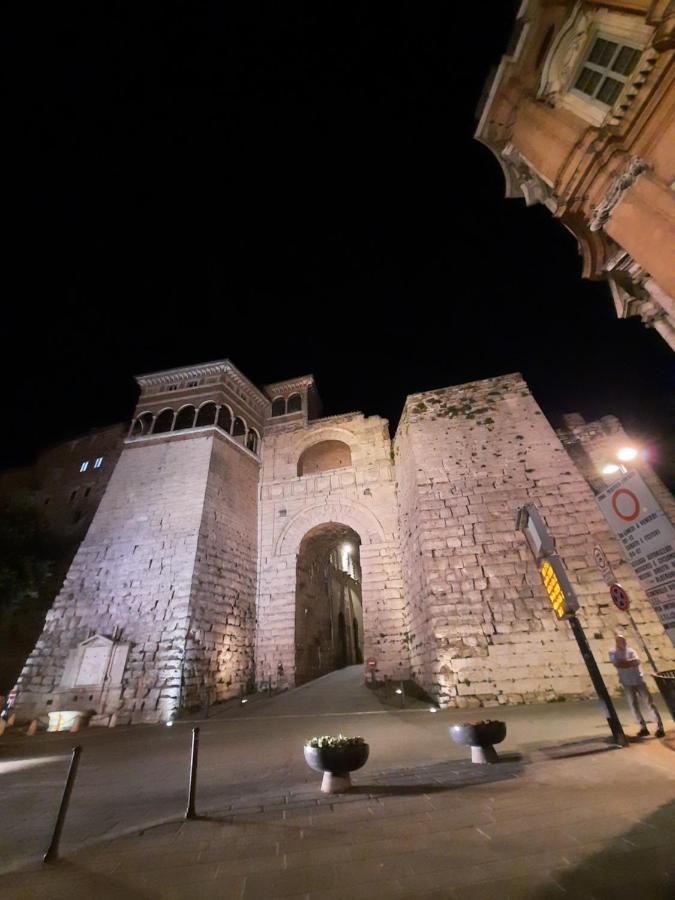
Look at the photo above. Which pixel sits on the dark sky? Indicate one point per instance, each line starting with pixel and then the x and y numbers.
pixel 295 187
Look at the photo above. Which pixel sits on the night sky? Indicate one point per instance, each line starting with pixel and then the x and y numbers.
pixel 295 187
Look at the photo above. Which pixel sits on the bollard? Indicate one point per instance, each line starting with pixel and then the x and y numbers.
pixel 402 696
pixel 3 725
pixel 190 811
pixel 32 728
pixel 53 849
pixel 11 720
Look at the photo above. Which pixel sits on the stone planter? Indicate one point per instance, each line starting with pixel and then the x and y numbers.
pixel 336 763
pixel 480 736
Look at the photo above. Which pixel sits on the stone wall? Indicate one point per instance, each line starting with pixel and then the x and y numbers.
pixel 220 646
pixel 360 496
pixel 133 571
pixel 481 630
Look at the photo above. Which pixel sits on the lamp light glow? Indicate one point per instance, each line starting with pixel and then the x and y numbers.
pixel 610 469
pixel 627 454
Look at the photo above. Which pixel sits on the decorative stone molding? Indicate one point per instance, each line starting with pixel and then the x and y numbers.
pixel 522 181
pixel 222 367
pixel 624 178
pixel 664 37
pixel 564 54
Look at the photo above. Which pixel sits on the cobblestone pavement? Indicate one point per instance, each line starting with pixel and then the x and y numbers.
pixel 562 813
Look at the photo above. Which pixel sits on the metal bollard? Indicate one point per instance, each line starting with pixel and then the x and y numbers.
pixel 52 852
pixel 402 696
pixel 192 788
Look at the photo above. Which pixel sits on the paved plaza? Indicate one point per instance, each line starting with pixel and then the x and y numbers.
pixel 563 813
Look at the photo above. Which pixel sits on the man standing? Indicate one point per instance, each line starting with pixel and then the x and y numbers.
pixel 632 680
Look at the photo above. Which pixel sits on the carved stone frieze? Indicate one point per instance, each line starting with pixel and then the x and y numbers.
pixel 623 179
pixel 564 54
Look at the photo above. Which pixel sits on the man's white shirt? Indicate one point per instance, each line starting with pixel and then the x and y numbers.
pixel 631 675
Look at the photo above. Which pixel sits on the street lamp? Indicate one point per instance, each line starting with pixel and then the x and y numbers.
pixel 625 454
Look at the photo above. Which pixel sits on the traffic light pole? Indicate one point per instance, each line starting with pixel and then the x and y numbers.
pixel 598 683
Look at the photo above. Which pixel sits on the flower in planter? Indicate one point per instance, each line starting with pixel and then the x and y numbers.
pixel 335 743
pixel 483 722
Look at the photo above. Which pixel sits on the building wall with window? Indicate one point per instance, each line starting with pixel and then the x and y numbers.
pixel 581 117
pixel 63 488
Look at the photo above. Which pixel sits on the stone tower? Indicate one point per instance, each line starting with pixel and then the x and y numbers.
pixel 158 607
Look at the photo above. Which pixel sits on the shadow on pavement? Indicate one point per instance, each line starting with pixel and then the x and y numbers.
pixel 640 863
pixel 571 749
pixel 66 880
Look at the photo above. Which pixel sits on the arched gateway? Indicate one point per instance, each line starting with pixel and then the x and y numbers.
pixel 328 602
pixel 330 587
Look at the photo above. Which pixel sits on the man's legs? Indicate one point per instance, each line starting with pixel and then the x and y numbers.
pixel 643 696
pixel 631 692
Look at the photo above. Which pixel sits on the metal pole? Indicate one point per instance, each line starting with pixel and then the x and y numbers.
pixel 402 695
pixel 190 811
pixel 598 683
pixel 642 642
pixel 52 852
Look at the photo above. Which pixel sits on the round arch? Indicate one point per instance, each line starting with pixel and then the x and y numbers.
pixel 342 512
pixel 323 434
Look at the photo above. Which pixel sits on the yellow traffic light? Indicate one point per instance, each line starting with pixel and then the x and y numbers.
pixel 555 593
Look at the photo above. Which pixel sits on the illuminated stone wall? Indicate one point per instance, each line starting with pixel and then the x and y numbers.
pixel 191 560
pixel 480 627
pixel 168 565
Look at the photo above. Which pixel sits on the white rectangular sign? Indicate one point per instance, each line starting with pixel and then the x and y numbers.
pixel 648 539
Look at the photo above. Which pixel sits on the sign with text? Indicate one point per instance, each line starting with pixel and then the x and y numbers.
pixel 648 539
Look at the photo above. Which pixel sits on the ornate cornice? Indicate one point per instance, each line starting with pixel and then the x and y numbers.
pixel 290 386
pixel 221 367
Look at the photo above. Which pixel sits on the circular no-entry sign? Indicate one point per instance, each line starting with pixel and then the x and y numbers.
pixel 619 597
pixel 625 504
pixel 371 662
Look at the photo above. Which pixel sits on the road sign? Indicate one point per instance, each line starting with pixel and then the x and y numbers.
pixel 371 662
pixel 619 597
pixel 603 565
pixel 558 587
pixel 648 540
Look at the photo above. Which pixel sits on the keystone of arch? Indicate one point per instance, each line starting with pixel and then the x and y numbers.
pixel 364 522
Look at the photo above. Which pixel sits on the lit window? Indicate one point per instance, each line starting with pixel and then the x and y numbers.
pixel 98 463
pixel 84 466
pixel 605 70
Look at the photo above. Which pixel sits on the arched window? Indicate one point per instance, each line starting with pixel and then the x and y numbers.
pixel 252 440
pixel 239 429
pixel 185 418
pixel 323 456
pixel 142 425
pixel 294 403
pixel 224 420
pixel 206 414
pixel 278 406
pixel 163 422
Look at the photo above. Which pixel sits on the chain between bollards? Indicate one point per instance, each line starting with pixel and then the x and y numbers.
pixel 52 852
pixel 192 788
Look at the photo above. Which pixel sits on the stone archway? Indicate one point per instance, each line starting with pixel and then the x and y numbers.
pixel 381 588
pixel 328 602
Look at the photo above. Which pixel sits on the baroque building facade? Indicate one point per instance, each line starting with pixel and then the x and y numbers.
pixel 580 115
pixel 244 539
